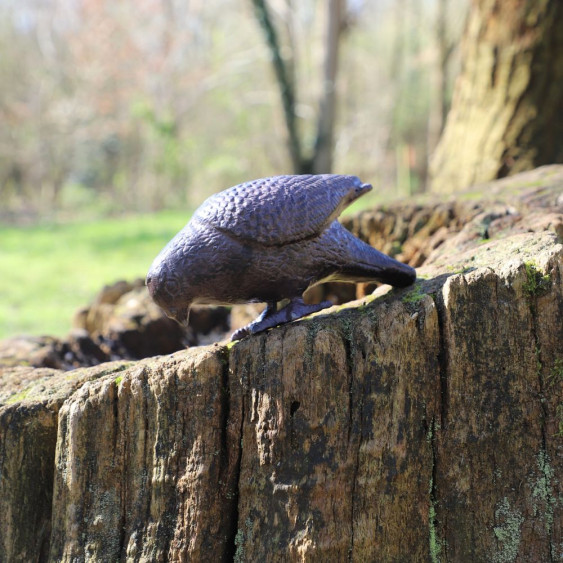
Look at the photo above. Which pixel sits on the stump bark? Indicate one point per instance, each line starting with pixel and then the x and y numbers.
pixel 417 425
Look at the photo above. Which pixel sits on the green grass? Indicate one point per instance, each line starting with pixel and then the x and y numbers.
pixel 49 271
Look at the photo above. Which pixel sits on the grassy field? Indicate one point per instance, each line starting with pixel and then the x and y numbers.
pixel 49 271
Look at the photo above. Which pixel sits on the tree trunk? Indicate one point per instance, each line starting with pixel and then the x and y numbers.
pixel 285 84
pixel 444 48
pixel 419 425
pixel 319 161
pixel 507 108
pixel 324 144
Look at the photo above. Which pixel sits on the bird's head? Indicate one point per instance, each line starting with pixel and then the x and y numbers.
pixel 168 291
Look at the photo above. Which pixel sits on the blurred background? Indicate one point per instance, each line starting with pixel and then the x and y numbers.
pixel 143 105
pixel 119 118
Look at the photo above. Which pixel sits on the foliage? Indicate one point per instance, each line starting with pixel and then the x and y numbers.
pixel 114 108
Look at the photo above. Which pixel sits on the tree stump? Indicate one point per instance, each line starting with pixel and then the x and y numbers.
pixel 424 424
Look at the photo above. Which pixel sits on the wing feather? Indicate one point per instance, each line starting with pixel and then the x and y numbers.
pixel 281 209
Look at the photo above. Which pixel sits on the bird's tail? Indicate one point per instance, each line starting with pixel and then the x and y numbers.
pixel 364 263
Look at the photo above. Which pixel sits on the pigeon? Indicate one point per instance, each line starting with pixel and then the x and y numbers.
pixel 268 240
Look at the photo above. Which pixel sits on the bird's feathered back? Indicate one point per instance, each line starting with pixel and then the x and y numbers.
pixel 282 209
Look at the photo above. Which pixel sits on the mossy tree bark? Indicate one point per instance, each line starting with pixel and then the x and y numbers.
pixel 507 109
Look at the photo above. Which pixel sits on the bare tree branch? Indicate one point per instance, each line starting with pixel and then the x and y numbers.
pixel 284 82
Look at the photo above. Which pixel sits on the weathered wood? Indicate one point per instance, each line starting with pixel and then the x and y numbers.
pixel 336 457
pixel 146 464
pixel 30 400
pixel 416 425
pixel 497 433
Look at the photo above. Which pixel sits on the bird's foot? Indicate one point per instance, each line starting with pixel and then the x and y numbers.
pixel 295 309
pixel 247 330
pixel 240 333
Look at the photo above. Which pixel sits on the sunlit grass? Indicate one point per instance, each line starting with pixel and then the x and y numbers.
pixel 49 271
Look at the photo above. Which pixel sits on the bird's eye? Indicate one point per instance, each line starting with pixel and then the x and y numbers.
pixel 172 287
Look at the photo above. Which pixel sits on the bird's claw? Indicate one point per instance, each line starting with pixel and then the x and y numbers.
pixel 240 333
pixel 270 318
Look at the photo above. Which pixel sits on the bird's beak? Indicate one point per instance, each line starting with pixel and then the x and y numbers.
pixel 186 320
pixel 180 315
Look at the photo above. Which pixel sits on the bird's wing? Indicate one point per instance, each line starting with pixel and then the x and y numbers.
pixel 281 209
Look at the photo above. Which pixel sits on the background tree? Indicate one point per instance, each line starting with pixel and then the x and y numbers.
pixel 445 48
pixel 507 109
pixel 319 160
